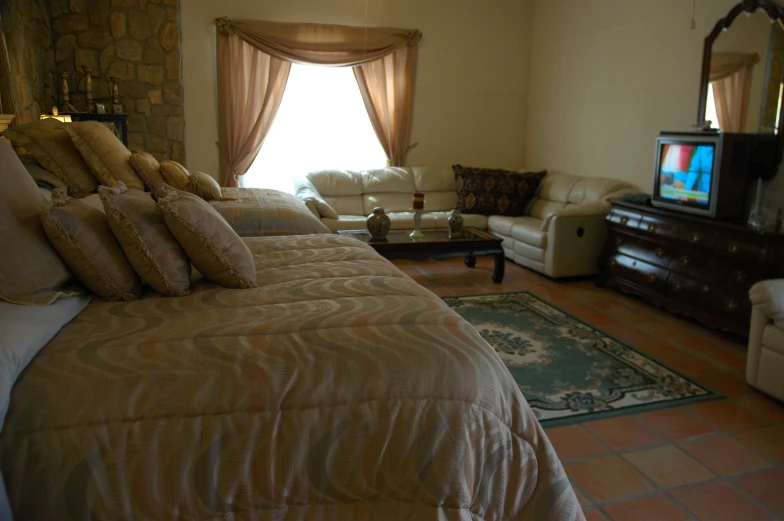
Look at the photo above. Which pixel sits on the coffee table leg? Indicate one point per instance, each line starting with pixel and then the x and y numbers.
pixel 470 261
pixel 500 266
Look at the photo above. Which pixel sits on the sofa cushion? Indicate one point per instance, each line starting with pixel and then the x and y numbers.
pixel 525 229
pixel 544 208
pixel 773 338
pixel 346 204
pixel 390 202
pixel 337 183
pixel 388 180
pixel 493 191
pixel 440 201
pixel 434 179
pixel 592 189
pixel 529 231
pixel 346 222
pixel 557 186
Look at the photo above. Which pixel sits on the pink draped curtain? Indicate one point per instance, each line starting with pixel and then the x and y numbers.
pixel 730 76
pixel 254 59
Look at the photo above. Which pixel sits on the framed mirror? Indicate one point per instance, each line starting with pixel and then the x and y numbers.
pixel 742 78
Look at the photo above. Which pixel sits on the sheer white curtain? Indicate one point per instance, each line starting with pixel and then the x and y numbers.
pixel 321 123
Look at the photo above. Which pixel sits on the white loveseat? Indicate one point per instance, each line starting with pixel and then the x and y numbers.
pixel 765 358
pixel 561 234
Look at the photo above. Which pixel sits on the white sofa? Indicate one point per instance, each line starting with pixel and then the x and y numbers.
pixel 561 234
pixel 765 357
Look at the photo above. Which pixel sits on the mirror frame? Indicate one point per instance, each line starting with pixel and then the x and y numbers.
pixel 776 14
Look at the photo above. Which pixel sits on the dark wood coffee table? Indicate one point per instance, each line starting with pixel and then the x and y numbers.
pixel 436 244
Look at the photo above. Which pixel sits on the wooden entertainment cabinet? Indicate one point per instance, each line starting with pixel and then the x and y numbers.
pixel 693 266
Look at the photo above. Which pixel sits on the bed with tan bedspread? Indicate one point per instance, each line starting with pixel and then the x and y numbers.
pixel 260 212
pixel 338 389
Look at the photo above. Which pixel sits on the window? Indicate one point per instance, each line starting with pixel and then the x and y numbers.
pixel 710 108
pixel 321 123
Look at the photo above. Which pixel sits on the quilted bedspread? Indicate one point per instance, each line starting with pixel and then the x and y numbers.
pixel 339 389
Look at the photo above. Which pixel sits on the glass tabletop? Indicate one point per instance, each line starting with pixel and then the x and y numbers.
pixel 430 236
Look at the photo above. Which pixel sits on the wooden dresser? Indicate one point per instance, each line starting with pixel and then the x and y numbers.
pixel 689 265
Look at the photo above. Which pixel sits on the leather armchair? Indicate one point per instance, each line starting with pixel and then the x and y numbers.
pixel 765 358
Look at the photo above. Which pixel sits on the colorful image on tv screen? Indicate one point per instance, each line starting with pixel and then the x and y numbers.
pixel 685 173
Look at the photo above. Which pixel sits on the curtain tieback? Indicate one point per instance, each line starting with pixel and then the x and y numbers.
pixel 411 146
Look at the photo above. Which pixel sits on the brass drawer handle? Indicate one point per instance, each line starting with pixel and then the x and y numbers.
pixel 733 248
pixel 685 260
pixel 618 241
pixel 677 288
pixel 695 238
pixel 705 288
pixel 731 304
pixel 652 278
pixel 660 252
pixel 624 219
pixel 651 227
pixel 739 276
pixel 613 263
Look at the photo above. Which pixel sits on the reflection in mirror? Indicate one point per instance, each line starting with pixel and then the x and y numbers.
pixel 745 75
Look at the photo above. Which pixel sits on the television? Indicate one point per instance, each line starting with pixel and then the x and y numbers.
pixel 708 174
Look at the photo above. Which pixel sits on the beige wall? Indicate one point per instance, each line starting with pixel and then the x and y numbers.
pixel 470 86
pixel 606 79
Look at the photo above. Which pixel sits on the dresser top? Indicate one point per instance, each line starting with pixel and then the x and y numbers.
pixel 721 224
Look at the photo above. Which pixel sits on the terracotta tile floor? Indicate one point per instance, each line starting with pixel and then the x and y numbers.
pixel 713 461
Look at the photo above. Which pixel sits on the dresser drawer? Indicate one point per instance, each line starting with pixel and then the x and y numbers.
pixel 639 272
pixel 697 264
pixel 624 218
pixel 680 231
pixel 741 249
pixel 647 251
pixel 711 297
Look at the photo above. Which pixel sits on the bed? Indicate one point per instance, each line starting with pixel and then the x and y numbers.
pixel 337 389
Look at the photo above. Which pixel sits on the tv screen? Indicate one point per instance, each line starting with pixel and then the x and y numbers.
pixel 685 172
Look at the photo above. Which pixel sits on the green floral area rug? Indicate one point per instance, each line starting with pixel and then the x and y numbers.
pixel 568 370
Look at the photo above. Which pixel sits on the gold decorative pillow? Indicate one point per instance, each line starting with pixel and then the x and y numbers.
pixel 42 176
pixel 149 169
pixel 31 272
pixel 214 248
pixel 107 157
pixel 82 237
pixel 206 187
pixel 139 227
pixel 175 174
pixel 50 144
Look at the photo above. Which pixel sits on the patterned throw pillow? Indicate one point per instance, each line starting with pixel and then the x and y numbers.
pixel 50 144
pixel 82 237
pixel 489 191
pixel 31 272
pixel 214 248
pixel 107 157
pixel 149 169
pixel 154 253
pixel 175 175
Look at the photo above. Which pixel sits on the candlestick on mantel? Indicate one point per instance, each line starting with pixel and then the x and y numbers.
pixel 419 206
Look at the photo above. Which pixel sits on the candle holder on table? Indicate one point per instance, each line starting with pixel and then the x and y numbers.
pixel 419 206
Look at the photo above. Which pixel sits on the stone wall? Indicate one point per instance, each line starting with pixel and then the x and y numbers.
pixel 137 41
pixel 27 27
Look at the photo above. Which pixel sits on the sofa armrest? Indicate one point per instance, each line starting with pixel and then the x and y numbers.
pixel 768 297
pixel 306 192
pixel 597 208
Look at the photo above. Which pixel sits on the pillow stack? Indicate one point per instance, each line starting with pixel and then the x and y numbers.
pixel 133 239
